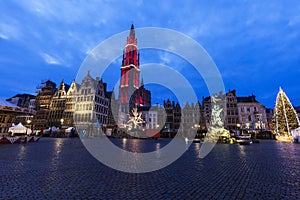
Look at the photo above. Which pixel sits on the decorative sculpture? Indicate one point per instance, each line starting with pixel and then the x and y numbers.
pixel 216 126
pixel 136 119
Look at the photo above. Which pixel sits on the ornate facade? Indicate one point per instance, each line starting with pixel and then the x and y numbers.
pixel 173 118
pixel 68 120
pixel 58 105
pixel 191 115
pixel 231 116
pixel 91 107
pixel 229 113
pixel 43 100
pixel 252 114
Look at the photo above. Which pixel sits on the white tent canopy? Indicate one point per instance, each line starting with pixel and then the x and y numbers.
pixel 53 128
pixel 19 128
pixel 296 132
pixel 69 130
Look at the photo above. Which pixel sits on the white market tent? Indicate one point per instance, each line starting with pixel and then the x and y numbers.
pixel 19 128
pixel 296 132
pixel 70 129
pixel 53 128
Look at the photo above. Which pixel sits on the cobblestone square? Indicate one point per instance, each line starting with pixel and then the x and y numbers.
pixel 63 169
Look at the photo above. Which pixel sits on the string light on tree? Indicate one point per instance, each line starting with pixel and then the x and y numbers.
pixel 285 118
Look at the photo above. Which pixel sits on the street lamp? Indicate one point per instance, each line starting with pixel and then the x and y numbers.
pixel 259 123
pixel 28 125
pixel 61 122
pixel 238 128
pixel 197 126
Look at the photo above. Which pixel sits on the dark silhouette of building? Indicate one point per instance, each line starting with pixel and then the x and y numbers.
pixel 232 116
pixel 269 115
pixel 173 118
pixel 21 100
pixel 112 115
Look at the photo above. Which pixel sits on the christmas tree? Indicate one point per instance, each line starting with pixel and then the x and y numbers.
pixel 285 118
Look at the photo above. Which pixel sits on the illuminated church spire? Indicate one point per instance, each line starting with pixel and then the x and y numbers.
pixel 130 71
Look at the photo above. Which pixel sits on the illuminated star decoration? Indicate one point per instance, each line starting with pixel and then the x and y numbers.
pixel 136 119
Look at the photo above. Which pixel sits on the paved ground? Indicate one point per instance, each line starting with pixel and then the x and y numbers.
pixel 63 169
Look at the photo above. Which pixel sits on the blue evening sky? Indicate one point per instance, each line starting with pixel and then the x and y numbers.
pixel 255 44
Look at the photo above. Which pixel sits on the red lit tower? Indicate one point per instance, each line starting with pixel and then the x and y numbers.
pixel 130 73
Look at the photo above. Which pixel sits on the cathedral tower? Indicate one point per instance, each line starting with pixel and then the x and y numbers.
pixel 130 74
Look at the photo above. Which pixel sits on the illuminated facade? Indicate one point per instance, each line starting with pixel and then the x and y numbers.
pixel 58 105
pixel 252 114
pixel 91 106
pixel 130 73
pixel 70 105
pixel 229 114
pixel 43 100
pixel 131 93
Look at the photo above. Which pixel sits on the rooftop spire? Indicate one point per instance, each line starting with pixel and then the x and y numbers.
pixel 142 82
pixel 132 32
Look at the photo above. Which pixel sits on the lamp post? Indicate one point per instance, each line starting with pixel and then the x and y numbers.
pixel 61 122
pixel 28 125
pixel 238 128
pixel 259 123
pixel 197 126
pixel 61 125
pixel 157 126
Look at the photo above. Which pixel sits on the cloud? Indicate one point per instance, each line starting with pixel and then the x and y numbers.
pixel 246 38
pixel 294 21
pixel 165 58
pixel 9 31
pixel 70 12
pixel 3 36
pixel 50 59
